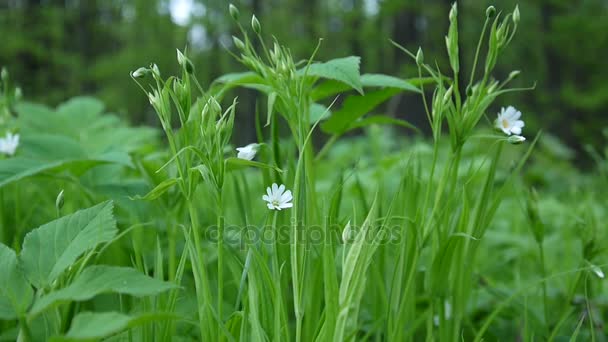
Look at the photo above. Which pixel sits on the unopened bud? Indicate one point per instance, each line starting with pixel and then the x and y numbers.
pixel 234 12
pixel 346 233
pixel 139 73
pixel 4 74
pixel 419 57
pixel 255 25
pixel 155 69
pixel 516 16
pixel 238 43
pixel 516 139
pixel 453 12
pixel 514 74
pixel 448 94
pixel 18 93
pixel 59 201
pixel 490 12
pixel 185 62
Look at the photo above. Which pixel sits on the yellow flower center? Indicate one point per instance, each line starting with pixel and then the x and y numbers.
pixel 505 123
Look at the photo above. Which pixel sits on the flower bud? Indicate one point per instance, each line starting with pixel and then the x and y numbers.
pixel 469 91
pixel 238 43
pixel 490 12
pixel 448 95
pixel 4 74
pixel 185 62
pixel 514 74
pixel 234 12
pixel 516 139
pixel 155 69
pixel 346 233
pixel 419 57
pixel 139 73
pixel 255 25
pixel 516 16
pixel 18 93
pixel 453 12
pixel 59 201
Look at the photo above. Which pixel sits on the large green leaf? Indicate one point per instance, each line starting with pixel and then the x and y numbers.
pixel 88 326
pixel 95 280
pixel 355 107
pixel 331 87
pixel 345 70
pixel 15 292
pixel 52 248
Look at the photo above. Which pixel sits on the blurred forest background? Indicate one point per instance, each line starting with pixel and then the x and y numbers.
pixel 57 49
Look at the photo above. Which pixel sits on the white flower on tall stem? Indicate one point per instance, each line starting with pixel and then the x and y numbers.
pixel 8 144
pixel 247 152
pixel 277 197
pixel 508 121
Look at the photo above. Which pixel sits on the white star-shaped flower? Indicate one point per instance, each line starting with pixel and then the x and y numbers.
pixel 8 144
pixel 247 152
pixel 277 197
pixel 508 121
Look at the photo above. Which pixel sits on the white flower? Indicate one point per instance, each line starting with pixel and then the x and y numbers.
pixel 277 197
pixel 508 121
pixel 9 144
pixel 247 152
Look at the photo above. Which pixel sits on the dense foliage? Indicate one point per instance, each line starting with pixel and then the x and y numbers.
pixel 59 49
pixel 482 230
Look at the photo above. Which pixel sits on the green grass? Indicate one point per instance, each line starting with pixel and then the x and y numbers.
pixel 465 235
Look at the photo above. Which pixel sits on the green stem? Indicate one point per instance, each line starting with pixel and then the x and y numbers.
pixel 198 267
pixel 541 252
pixel 220 261
pixel 277 279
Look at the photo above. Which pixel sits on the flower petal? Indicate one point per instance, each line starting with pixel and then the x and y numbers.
pixel 281 189
pixel 286 205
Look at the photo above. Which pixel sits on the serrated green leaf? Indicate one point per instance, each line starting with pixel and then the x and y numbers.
pixel 355 107
pixel 88 326
pixel 345 70
pixel 95 280
pixel 16 294
pixel 159 190
pixel 52 248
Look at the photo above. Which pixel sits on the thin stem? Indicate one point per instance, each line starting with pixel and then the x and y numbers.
pixel 220 261
pixel 541 252
pixel 277 279
pixel 483 31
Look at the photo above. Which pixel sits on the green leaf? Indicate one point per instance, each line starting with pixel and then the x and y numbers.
pixel 345 70
pixel 16 294
pixel 355 107
pixel 318 111
pixel 379 80
pixel 98 325
pixel 238 163
pixel 160 189
pixel 381 120
pixel 52 248
pixel 96 280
